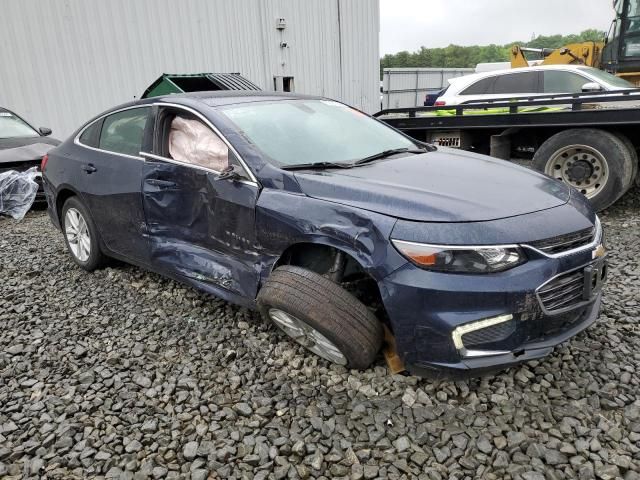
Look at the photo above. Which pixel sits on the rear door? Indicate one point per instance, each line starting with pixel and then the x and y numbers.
pixel 200 226
pixel 111 173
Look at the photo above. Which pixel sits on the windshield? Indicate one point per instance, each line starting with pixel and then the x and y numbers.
pixel 293 132
pixel 12 126
pixel 607 78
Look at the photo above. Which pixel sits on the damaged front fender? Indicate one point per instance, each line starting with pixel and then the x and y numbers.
pixel 284 219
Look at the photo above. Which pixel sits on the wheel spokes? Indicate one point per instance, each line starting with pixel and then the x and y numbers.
pixel 77 233
pixel 307 336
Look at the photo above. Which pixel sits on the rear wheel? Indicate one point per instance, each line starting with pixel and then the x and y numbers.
pixel 81 235
pixel 597 163
pixel 321 316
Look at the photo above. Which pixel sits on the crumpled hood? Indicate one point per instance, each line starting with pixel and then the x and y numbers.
pixel 25 149
pixel 446 185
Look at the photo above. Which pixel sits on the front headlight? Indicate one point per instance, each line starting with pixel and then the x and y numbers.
pixel 461 259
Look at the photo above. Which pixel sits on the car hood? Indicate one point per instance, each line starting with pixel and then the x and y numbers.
pixel 442 186
pixel 25 149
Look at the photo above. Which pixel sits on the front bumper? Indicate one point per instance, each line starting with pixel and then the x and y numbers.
pixel 539 348
pixel 426 307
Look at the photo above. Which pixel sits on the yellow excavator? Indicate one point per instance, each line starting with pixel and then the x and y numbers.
pixel 618 53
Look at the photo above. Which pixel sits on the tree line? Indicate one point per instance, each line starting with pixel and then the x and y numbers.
pixel 456 56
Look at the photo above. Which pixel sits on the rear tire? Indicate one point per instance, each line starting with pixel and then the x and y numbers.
pixel 304 304
pixel 81 235
pixel 607 168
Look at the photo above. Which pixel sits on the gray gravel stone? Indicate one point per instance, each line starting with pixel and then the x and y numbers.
pixel 243 409
pixel 190 450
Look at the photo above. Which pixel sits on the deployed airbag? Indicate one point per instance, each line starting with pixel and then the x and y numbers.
pixel 17 192
pixel 191 141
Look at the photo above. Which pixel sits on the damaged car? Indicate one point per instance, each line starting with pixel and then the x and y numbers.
pixel 22 146
pixel 339 229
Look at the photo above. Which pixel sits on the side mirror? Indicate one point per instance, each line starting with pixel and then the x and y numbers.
pixel 44 131
pixel 591 87
pixel 232 172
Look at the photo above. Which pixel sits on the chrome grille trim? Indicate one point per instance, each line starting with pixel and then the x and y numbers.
pixel 596 240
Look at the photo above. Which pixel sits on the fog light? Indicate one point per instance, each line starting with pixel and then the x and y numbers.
pixel 461 330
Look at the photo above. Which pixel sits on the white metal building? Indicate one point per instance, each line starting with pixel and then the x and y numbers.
pixel 61 62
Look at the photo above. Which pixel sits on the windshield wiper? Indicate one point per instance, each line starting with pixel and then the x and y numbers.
pixel 387 153
pixel 318 165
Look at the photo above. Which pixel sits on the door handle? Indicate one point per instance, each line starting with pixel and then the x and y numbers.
pixel 89 168
pixel 161 183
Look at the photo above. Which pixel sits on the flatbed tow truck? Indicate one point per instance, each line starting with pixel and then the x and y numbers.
pixel 587 140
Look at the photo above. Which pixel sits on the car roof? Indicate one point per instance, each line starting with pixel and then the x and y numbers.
pixel 468 79
pixel 229 97
pixel 211 99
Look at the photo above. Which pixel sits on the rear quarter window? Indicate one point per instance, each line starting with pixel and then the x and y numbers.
pixel 91 135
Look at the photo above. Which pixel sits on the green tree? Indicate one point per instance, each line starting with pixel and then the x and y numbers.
pixel 456 56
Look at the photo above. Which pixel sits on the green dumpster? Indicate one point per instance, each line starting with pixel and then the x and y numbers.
pixel 169 83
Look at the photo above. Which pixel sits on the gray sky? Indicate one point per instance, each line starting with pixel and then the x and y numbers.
pixel 410 24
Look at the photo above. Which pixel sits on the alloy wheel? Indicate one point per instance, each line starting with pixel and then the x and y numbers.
pixel 77 233
pixel 307 336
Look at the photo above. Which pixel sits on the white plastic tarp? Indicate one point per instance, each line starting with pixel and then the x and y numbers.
pixel 18 192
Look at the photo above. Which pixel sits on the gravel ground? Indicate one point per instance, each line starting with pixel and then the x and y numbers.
pixel 124 374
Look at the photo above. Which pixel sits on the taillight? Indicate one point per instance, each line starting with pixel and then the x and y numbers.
pixel 44 161
pixel 440 103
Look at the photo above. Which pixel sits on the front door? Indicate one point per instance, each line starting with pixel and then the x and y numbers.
pixel 200 226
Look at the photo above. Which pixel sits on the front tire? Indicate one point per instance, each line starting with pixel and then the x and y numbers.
pixel 81 235
pixel 597 163
pixel 321 316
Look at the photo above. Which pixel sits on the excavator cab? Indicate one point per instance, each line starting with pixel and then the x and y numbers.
pixel 621 53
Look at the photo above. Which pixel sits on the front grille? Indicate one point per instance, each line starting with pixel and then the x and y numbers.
pixel 562 292
pixel 563 243
pixel 494 333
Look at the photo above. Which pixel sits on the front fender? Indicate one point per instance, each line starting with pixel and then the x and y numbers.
pixel 284 219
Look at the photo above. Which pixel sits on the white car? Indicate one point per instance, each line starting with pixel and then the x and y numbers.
pixel 529 82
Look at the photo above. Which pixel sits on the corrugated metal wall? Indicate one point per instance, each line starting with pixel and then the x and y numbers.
pixel 407 87
pixel 62 62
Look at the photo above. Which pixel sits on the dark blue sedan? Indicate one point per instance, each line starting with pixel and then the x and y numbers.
pixel 336 227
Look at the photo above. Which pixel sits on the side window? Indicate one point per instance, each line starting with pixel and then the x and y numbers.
pixel 526 82
pixel 191 141
pixel 122 132
pixel 563 82
pixel 91 136
pixel 481 87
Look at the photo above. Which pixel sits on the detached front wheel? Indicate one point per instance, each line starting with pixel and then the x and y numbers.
pixel 597 163
pixel 321 316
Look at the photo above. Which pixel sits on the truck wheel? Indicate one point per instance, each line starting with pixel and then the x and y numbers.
pixel 634 158
pixel 321 316
pixel 595 162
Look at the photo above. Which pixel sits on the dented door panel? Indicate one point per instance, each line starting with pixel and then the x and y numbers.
pixel 201 228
